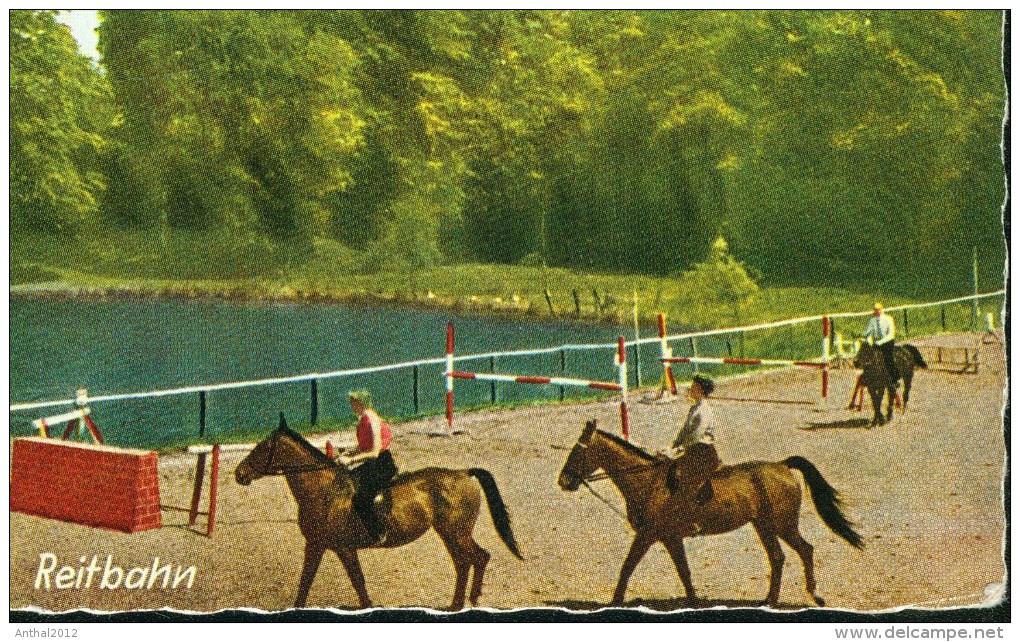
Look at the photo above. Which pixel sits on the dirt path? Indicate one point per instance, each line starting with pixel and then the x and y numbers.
pixel 925 490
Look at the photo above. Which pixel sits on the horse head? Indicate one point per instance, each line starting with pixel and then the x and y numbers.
pixel 282 452
pixel 578 465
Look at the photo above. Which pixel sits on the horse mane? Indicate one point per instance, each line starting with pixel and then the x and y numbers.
pixel 307 446
pixel 637 450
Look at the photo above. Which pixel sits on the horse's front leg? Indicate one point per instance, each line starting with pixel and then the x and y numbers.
pixel 642 542
pixel 313 556
pixel 892 402
pixel 679 555
pixel 876 404
pixel 349 558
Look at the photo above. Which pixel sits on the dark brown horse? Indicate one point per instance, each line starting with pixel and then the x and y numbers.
pixel 763 493
pixel 443 499
pixel 877 380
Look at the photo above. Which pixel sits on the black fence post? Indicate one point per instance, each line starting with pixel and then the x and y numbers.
pixel 492 384
pixel 315 401
pixel 943 318
pixel 563 369
pixel 906 324
pixel 201 413
pixel 414 389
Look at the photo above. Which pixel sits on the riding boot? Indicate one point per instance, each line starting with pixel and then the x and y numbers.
pixel 374 475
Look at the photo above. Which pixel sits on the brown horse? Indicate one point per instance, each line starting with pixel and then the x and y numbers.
pixel 763 493
pixel 877 380
pixel 443 499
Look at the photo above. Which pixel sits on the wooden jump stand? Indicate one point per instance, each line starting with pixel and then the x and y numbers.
pixel 991 334
pixel 214 478
pixel 971 354
pixel 75 420
pixel 204 452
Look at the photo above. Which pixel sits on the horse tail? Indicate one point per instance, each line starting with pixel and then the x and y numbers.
pixel 914 352
pixel 827 501
pixel 500 515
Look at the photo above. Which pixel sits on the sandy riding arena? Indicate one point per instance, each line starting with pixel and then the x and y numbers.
pixel 925 491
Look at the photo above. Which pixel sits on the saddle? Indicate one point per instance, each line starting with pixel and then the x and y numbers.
pixel 687 474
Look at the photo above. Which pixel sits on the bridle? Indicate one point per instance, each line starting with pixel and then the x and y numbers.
pixel 603 475
pixel 583 480
pixel 268 468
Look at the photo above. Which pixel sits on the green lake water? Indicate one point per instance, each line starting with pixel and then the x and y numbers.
pixel 113 347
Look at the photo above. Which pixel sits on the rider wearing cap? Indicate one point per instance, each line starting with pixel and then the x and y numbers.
pixel 881 331
pixel 376 462
pixel 696 457
pixel 700 423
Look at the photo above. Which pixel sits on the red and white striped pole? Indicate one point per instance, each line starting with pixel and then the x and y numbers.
pixel 449 375
pixel 825 358
pixel 745 362
pixel 622 362
pixel 537 380
pixel 214 484
pixel 667 353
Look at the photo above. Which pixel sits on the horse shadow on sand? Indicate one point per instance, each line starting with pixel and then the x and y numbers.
pixel 672 604
pixel 842 424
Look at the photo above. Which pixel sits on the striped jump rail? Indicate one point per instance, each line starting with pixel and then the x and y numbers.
pixel 745 362
pixel 668 359
pixel 554 381
pixel 619 386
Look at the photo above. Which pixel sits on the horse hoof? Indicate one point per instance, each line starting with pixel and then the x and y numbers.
pixel 818 600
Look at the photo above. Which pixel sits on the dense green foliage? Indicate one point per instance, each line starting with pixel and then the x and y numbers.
pixel 827 147
pixel 61 118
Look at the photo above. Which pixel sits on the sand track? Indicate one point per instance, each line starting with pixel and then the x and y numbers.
pixel 926 492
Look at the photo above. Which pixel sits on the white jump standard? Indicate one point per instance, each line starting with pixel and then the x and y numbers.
pixel 619 386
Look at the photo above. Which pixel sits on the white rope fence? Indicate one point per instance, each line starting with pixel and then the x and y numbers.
pixel 20 407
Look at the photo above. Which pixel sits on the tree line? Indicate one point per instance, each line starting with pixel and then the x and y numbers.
pixel 826 147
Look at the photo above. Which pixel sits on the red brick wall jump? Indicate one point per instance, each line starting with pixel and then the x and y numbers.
pixel 106 486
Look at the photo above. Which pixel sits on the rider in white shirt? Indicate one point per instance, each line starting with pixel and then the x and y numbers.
pixel 881 331
pixel 696 457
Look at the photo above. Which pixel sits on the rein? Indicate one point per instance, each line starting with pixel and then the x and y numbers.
pixel 624 471
pixel 603 499
pixel 269 469
pixel 310 468
pixel 604 475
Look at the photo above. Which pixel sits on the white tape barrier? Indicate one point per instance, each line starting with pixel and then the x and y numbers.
pixel 17 407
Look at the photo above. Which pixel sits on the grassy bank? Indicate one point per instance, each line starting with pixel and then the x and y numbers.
pixel 497 290
pixel 194 266
pixel 491 290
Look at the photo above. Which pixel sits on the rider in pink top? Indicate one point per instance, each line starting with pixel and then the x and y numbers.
pixel 375 466
pixel 367 426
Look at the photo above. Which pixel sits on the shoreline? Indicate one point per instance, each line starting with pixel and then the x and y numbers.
pixel 286 294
